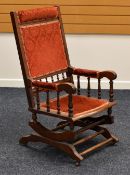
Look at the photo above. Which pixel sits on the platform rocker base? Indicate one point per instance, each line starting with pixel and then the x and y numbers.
pixel 61 140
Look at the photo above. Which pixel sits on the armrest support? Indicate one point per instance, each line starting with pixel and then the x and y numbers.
pixel 67 87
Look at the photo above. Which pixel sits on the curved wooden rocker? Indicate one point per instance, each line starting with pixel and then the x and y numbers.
pixel 46 68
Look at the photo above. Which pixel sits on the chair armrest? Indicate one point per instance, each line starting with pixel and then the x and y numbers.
pixel 67 87
pixel 111 75
pixel 44 85
pixel 85 72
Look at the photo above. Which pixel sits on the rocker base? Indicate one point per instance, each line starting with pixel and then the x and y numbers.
pixel 66 147
pixel 69 148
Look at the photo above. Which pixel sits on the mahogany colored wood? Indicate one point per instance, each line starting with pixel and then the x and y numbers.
pixel 78 85
pixel 48 101
pixel 58 103
pixel 66 147
pixel 86 139
pixel 99 88
pixel 64 135
pixel 89 87
pixel 37 98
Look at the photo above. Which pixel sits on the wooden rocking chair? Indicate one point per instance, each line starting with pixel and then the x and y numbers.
pixel 45 66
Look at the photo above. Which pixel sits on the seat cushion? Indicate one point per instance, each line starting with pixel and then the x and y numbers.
pixel 81 104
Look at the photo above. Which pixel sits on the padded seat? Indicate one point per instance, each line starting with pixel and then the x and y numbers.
pixel 82 105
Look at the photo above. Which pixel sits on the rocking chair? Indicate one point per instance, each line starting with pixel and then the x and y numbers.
pixel 46 68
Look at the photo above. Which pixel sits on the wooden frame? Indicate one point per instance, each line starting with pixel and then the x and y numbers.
pixel 54 137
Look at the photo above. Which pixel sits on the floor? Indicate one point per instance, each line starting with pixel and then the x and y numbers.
pixel 37 158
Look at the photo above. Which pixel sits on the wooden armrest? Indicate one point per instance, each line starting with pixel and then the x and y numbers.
pixel 44 85
pixel 67 87
pixel 111 75
pixel 85 72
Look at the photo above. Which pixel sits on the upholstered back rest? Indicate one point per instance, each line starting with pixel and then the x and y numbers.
pixel 42 41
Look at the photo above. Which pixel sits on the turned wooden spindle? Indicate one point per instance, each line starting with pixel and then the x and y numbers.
pixel 37 98
pixel 78 85
pixel 58 102
pixel 63 76
pixel 52 79
pixel 88 89
pixel 58 77
pixel 71 126
pixel 111 95
pixel 70 105
pixel 48 101
pixel 99 88
pixel 46 79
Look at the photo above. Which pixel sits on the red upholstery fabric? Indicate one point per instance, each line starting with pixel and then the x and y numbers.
pixel 46 85
pixel 37 14
pixel 80 104
pixel 43 47
pixel 84 72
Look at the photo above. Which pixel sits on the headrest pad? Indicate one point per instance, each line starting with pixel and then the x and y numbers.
pixel 37 14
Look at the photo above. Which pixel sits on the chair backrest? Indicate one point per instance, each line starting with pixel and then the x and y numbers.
pixel 41 42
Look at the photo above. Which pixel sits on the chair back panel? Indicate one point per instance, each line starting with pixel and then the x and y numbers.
pixel 42 41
